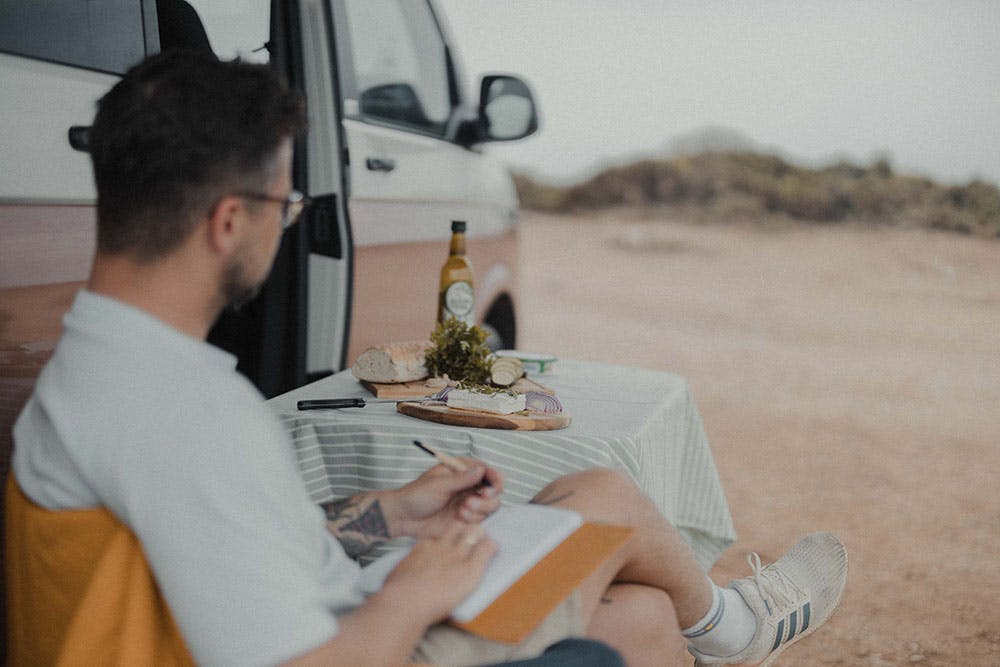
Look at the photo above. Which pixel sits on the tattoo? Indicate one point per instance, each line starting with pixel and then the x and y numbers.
pixel 357 523
pixel 606 600
pixel 546 497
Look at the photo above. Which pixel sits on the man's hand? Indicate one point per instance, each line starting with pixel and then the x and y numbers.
pixel 425 507
pixel 440 497
pixel 426 585
pixel 441 571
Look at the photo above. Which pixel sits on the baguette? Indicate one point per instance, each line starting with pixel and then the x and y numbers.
pixel 392 363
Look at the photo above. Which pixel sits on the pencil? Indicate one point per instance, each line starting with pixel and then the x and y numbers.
pixel 448 461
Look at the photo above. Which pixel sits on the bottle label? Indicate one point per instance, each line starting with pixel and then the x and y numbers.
pixel 458 301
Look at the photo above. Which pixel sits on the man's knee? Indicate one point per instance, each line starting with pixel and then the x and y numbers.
pixel 594 481
pixel 599 494
pixel 607 478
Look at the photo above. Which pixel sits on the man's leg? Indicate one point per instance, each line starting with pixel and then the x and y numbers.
pixel 753 621
pixel 656 555
pixel 641 623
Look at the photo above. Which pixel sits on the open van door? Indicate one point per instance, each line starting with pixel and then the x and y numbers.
pixel 296 329
pixel 416 164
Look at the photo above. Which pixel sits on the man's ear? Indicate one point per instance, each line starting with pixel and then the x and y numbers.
pixel 225 224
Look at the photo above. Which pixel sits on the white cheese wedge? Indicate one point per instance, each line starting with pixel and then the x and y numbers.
pixel 501 402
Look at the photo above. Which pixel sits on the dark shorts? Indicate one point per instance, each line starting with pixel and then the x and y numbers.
pixel 448 646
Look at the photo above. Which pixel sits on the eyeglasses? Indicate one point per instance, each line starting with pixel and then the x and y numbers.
pixel 291 206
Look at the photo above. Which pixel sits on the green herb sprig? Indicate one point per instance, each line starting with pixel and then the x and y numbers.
pixel 487 389
pixel 460 352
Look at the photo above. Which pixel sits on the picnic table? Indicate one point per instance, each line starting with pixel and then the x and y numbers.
pixel 639 421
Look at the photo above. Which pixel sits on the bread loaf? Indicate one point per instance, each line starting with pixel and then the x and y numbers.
pixel 392 363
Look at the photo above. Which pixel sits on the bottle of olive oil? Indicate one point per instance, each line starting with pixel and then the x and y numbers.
pixel 457 298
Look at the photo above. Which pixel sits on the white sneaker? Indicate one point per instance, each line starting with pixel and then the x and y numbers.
pixel 790 597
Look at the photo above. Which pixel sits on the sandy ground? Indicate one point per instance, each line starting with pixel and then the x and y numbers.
pixel 848 379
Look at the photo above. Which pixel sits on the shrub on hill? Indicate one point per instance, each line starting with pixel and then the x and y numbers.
pixel 747 185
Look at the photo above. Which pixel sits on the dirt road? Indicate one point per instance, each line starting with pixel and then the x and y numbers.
pixel 848 379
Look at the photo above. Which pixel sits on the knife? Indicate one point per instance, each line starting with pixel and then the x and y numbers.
pixel 334 403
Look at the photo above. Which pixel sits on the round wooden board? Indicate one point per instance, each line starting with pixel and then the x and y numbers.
pixel 442 414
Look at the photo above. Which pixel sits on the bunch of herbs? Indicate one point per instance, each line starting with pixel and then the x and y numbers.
pixel 460 352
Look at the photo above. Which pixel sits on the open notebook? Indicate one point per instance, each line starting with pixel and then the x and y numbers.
pixel 544 553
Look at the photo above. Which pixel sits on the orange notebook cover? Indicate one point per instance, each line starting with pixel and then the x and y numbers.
pixel 521 608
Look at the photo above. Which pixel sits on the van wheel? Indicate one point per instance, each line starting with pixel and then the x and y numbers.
pixel 500 324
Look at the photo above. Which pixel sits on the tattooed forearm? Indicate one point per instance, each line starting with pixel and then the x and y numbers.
pixel 357 523
pixel 551 496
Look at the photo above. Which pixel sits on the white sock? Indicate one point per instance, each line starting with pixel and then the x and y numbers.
pixel 727 628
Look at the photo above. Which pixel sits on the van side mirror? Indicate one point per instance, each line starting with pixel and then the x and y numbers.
pixel 506 108
pixel 506 112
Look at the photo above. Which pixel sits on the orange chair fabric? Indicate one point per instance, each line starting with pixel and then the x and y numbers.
pixel 80 592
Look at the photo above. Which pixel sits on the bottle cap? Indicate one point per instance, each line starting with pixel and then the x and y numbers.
pixel 458 225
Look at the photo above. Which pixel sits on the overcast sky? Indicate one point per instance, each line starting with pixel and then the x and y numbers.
pixel 916 81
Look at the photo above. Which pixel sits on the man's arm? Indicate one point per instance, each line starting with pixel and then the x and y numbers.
pixel 357 522
pixel 423 508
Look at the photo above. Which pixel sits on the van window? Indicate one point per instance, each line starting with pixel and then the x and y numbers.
pixel 399 66
pixel 235 28
pixel 104 35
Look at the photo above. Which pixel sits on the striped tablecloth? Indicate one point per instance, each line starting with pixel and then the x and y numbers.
pixel 639 421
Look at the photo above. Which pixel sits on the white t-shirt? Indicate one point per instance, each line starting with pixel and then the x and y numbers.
pixel 159 428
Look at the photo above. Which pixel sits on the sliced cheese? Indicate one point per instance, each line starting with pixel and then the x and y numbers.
pixel 500 402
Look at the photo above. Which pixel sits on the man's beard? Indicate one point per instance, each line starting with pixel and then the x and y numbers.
pixel 237 289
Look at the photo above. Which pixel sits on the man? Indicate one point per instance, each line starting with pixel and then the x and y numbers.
pixel 137 415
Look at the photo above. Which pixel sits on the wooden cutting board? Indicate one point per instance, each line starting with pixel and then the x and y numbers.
pixel 419 388
pixel 442 414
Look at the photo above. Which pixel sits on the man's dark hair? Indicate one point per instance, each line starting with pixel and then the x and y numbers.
pixel 180 131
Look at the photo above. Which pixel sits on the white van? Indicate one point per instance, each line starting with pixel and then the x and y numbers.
pixel 391 158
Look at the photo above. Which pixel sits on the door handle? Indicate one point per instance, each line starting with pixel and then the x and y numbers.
pixel 79 137
pixel 380 164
